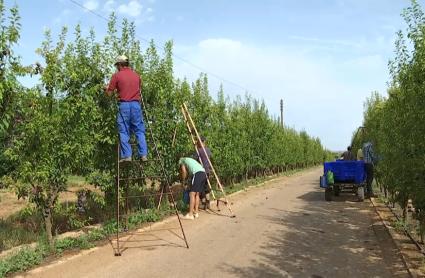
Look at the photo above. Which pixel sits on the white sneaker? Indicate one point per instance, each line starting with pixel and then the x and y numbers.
pixel 188 217
pixel 196 215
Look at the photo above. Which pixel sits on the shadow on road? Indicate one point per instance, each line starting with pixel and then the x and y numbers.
pixel 319 196
pixel 149 240
pixel 323 239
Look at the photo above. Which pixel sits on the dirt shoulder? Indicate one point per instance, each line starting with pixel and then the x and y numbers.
pixel 410 253
pixel 283 229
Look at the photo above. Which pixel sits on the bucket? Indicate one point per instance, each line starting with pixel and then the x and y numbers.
pixel 323 183
pixel 186 198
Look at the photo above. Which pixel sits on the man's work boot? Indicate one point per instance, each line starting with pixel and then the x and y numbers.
pixel 143 158
pixel 127 159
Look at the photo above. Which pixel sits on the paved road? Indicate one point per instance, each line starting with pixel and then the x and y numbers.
pixel 283 229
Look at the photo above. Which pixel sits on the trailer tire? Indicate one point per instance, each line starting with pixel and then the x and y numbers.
pixel 328 194
pixel 360 193
pixel 337 190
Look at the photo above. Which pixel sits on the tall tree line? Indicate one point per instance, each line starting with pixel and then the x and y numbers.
pixel 396 123
pixel 67 124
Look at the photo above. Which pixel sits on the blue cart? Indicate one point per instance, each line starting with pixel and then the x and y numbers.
pixel 348 175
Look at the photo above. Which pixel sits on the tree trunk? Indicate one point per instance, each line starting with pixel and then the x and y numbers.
pixel 48 224
pixel 405 213
pixel 422 229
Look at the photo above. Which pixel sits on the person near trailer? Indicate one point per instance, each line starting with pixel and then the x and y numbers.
pixel 348 155
pixel 369 161
pixel 189 167
pixel 127 83
pixel 204 157
pixel 359 154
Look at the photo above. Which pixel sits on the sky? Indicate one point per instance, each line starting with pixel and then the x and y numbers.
pixel 322 57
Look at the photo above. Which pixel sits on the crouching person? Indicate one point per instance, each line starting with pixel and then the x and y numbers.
pixel 189 167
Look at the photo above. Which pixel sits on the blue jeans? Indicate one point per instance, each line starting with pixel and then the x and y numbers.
pixel 130 120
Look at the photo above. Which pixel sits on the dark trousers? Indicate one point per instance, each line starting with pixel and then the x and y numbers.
pixel 207 188
pixel 369 177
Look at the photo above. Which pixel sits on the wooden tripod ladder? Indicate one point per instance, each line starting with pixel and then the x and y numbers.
pixel 194 135
pixel 136 173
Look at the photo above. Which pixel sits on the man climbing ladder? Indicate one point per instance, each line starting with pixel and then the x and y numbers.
pixel 129 119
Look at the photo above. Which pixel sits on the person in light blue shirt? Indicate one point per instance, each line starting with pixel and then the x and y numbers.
pixel 192 168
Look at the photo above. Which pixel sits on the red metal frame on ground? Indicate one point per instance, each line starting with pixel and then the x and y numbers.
pixel 165 187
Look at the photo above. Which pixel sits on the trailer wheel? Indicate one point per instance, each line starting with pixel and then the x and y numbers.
pixel 328 194
pixel 337 190
pixel 360 193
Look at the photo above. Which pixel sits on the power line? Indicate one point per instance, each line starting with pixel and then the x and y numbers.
pixel 201 69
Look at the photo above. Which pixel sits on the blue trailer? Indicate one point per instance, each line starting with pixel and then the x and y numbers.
pixel 347 175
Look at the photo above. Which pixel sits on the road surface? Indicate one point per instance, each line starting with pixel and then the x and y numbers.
pixel 282 229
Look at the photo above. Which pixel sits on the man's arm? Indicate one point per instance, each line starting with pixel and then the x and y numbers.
pixel 108 92
pixel 112 87
pixel 183 173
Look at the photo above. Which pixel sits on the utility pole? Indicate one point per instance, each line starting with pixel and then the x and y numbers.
pixel 281 112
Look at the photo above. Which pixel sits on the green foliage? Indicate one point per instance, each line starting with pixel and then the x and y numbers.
pixel 149 215
pixel 9 86
pixel 395 124
pixel 23 259
pixel 12 235
pixel 67 125
pixel 28 257
pixel 81 242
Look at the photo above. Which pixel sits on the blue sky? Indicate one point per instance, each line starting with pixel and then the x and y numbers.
pixel 323 57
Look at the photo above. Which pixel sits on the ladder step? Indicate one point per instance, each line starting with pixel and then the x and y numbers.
pixel 140 161
pixel 135 144
pixel 149 160
pixel 146 195
pixel 139 178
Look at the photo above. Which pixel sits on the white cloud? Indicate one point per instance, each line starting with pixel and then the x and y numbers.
pixel 149 15
pixel 133 8
pixel 322 96
pixel 91 5
pixel 374 62
pixel 220 45
pixel 109 6
pixel 346 43
pixel 62 17
pixel 378 44
pixel 145 16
